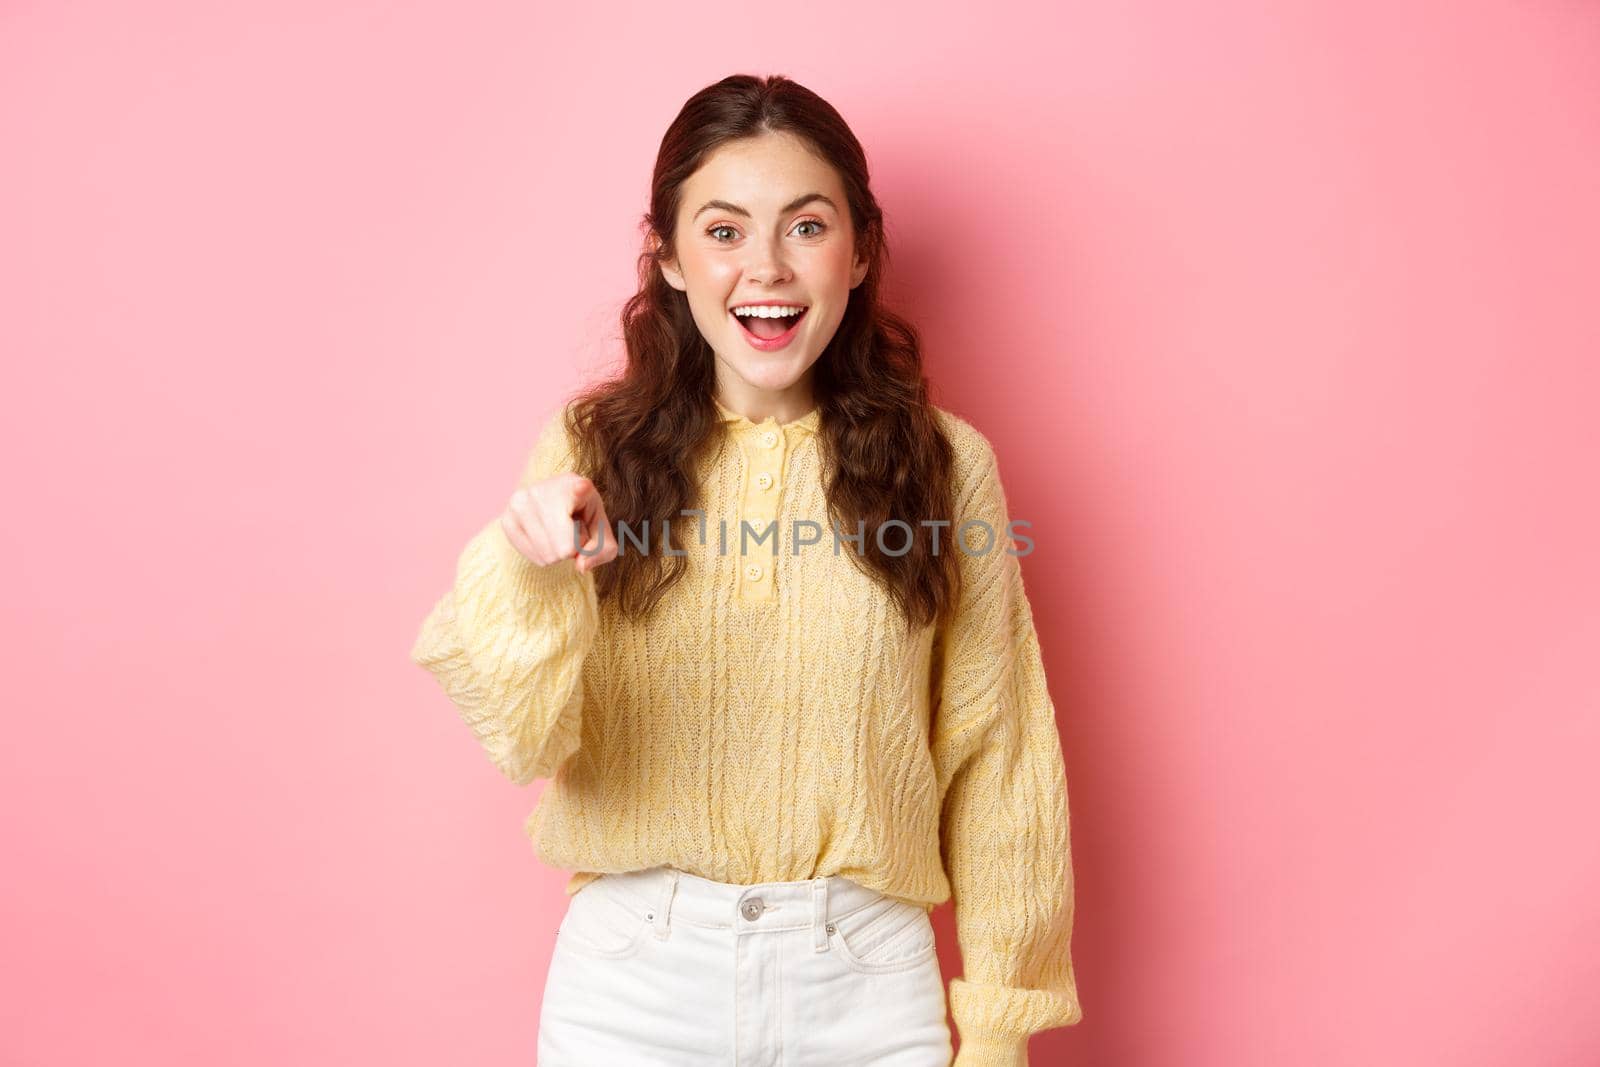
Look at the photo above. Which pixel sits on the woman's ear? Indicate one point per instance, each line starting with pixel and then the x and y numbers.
pixel 858 270
pixel 669 267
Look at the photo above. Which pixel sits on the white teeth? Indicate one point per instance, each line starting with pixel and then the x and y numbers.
pixel 768 311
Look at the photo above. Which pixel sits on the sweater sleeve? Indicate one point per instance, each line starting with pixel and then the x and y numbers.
pixel 508 640
pixel 1004 821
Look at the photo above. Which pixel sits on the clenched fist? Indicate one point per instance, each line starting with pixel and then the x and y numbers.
pixel 548 521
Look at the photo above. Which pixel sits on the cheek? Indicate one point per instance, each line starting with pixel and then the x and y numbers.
pixel 833 268
pixel 710 281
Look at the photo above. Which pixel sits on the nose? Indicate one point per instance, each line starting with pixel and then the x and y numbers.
pixel 767 264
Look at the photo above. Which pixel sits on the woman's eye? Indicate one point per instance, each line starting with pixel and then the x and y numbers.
pixel 715 232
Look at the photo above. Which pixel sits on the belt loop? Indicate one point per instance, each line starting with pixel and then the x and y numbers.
pixel 819 913
pixel 669 886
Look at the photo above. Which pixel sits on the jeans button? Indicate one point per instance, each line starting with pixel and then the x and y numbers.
pixel 753 908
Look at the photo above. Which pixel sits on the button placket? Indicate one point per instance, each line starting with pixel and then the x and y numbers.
pixel 763 447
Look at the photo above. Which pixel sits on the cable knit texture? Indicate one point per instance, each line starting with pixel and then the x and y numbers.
pixel 771 721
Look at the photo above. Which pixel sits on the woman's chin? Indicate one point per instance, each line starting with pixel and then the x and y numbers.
pixel 770 370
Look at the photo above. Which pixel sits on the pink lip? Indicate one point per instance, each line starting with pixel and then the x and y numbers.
pixel 764 344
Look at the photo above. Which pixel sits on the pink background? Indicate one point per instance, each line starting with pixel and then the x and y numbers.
pixel 1281 317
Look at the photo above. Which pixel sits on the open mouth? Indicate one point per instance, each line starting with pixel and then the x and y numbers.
pixel 770 323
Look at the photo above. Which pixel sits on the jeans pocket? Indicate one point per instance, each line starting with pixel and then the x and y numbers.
pixel 603 922
pixel 884 936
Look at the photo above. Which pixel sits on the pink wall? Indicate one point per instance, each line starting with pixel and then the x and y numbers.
pixel 1281 317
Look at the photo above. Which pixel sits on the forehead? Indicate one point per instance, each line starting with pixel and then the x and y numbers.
pixel 762 174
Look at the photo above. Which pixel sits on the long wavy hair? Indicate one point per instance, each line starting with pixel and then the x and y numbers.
pixel 639 437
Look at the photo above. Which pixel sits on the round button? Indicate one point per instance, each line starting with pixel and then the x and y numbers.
pixel 753 572
pixel 769 438
pixel 764 480
pixel 753 908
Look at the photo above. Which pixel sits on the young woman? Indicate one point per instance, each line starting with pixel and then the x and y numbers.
pixel 800 702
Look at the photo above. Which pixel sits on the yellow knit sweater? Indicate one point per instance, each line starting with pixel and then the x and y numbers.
pixel 772 722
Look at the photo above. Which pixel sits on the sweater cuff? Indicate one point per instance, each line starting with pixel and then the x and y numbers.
pixel 527 578
pixel 992 1050
pixel 995 1021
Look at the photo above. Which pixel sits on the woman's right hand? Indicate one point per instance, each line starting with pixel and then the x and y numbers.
pixel 539 519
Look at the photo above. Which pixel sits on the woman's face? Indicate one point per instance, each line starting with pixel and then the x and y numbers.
pixel 765 222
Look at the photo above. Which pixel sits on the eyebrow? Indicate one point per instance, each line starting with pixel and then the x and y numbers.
pixel 793 205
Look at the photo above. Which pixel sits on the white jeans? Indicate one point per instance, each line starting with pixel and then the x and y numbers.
pixel 660 967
